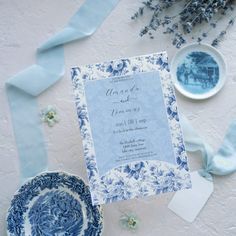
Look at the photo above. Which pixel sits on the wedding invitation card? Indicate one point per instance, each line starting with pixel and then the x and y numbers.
pixel 129 123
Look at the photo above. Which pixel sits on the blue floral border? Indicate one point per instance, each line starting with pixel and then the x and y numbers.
pixel 136 179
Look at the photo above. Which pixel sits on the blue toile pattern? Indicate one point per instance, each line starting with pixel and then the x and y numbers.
pixel 54 213
pixel 198 72
pixel 54 204
pixel 139 178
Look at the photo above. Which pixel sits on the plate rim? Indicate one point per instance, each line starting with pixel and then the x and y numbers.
pixel 210 93
pixel 29 179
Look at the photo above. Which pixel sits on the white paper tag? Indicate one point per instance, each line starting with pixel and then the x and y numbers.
pixel 188 203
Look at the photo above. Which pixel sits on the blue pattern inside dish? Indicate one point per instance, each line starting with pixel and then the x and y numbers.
pixel 54 212
pixel 54 204
pixel 198 72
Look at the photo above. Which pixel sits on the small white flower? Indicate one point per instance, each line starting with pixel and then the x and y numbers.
pixel 49 115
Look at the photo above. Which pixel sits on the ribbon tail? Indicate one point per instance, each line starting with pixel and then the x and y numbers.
pixel 193 142
pixel 28 133
pixel 224 162
pixel 24 87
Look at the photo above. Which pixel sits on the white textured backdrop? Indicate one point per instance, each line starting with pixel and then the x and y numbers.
pixel 24 25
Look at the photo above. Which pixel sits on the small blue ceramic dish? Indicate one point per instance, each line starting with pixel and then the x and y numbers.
pixel 198 70
pixel 54 203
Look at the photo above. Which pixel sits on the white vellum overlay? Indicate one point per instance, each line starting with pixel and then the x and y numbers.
pixel 188 203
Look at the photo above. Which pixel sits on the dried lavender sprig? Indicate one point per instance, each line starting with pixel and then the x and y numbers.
pixel 221 35
pixel 194 12
pixel 214 24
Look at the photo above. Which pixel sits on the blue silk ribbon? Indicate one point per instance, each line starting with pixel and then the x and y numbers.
pixel 223 162
pixel 24 87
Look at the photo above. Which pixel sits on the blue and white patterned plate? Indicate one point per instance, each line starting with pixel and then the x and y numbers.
pixel 198 71
pixel 54 204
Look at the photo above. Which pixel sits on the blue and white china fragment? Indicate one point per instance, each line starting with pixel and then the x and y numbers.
pixel 139 178
pixel 54 203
